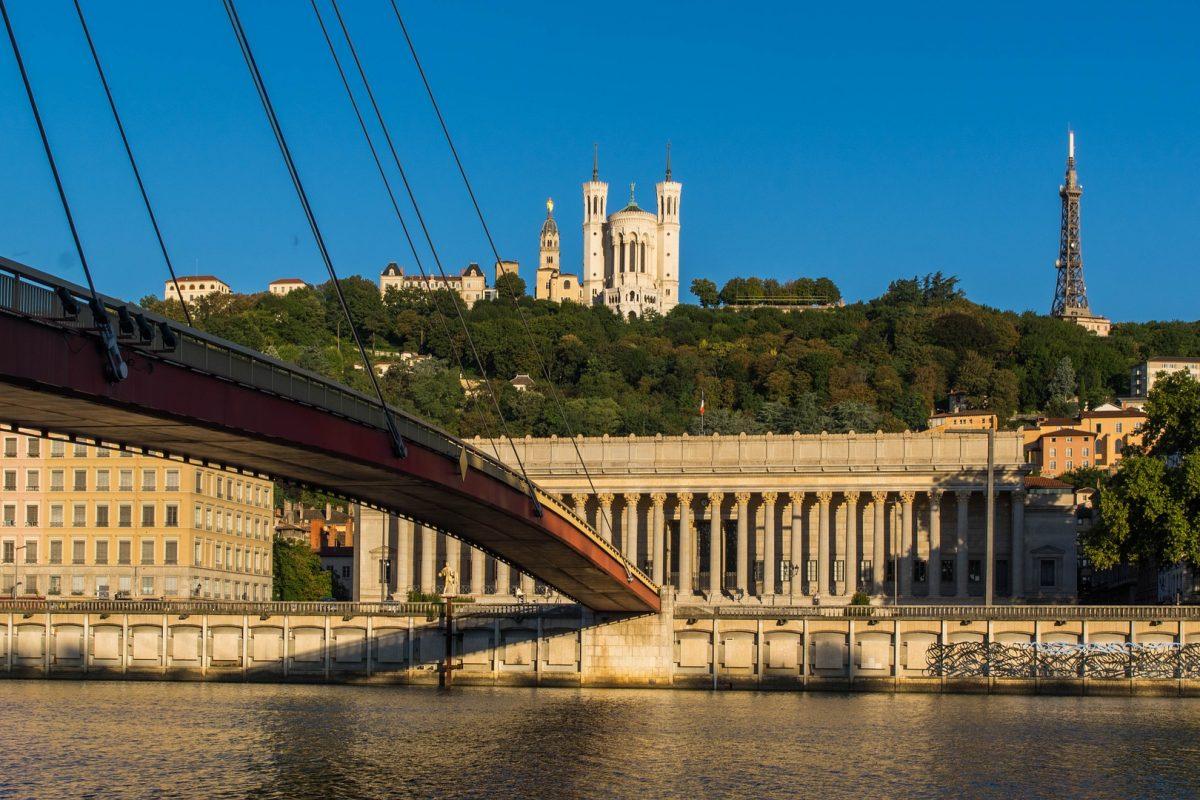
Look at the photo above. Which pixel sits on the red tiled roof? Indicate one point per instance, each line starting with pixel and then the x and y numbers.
pixel 1125 412
pixel 286 280
pixel 1038 482
pixel 1066 432
pixel 200 278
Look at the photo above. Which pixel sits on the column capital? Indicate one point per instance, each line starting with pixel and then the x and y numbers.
pixel 908 497
pixel 769 498
pixel 851 497
pixel 606 497
pixel 685 498
pixel 742 498
pixel 715 498
pixel 879 495
pixel 631 498
pixel 824 497
pixel 963 495
pixel 935 494
pixel 659 499
pixel 797 497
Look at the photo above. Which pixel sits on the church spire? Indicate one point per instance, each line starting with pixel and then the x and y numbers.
pixel 595 161
pixel 668 159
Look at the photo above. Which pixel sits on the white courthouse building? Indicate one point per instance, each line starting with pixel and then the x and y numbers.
pixel 780 520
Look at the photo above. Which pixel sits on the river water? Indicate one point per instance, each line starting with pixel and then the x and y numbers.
pixel 65 739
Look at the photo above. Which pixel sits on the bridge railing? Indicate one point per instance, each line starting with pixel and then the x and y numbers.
pixel 274 608
pixel 34 294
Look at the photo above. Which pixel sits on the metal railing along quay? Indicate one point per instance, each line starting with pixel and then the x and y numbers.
pixel 48 300
pixel 997 613
pixel 277 608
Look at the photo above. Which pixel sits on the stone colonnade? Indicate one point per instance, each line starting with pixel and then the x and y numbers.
pixel 801 544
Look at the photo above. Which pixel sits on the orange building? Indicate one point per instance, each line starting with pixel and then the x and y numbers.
pixel 962 421
pixel 1061 450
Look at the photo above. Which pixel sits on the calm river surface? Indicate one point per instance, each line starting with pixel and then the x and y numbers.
pixel 115 740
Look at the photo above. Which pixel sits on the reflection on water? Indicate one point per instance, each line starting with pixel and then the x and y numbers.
pixel 81 739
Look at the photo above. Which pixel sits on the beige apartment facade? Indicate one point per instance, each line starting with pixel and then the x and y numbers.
pixel 193 287
pixel 777 520
pixel 77 520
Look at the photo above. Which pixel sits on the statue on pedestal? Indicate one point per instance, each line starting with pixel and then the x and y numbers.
pixel 449 580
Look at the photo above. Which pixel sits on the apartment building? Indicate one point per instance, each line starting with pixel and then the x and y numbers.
pixel 85 521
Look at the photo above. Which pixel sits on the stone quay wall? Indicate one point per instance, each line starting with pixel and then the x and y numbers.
pixel 1098 650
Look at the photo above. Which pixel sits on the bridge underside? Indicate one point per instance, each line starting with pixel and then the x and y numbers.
pixel 52 381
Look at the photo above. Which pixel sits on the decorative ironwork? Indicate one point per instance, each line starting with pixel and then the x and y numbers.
pixel 1111 661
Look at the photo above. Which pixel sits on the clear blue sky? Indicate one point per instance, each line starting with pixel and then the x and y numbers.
pixel 864 144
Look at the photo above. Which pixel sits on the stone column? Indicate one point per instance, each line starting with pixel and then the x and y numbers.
pixel 823 587
pixel 1017 558
pixel 629 529
pixel 743 541
pixel 796 590
pixel 879 554
pixel 715 535
pixel 769 557
pixel 527 585
pixel 454 556
pixel 580 505
pixel 428 562
pixel 404 554
pixel 658 551
pixel 687 546
pixel 478 571
pixel 933 571
pixel 604 515
pixel 503 578
pixel 906 543
pixel 851 542
pixel 963 500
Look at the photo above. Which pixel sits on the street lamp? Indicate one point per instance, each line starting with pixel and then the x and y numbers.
pixel 989 578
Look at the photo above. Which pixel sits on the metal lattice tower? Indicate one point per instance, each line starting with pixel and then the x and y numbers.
pixel 1070 294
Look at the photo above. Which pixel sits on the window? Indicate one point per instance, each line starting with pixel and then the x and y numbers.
pixel 920 570
pixel 9 553
pixel 208 518
pixel 171 516
pixel 77 585
pixel 1070 452
pixel 199 482
pixel 147 516
pixel 102 484
pixel 102 516
pixel 31 584
pixel 124 552
pixel 228 557
pixel 197 516
pixel 974 571
pixel 1053 465
pixel 10 447
pixel 33 448
pixel 1085 452
pixel 10 480
pixel 31 548
pixel 58 449
pixel 839 570
pixel 102 453
pixel 125 516
pixel 220 491
pixel 347 571
pixel 149 480
pixel 56 516
pixel 171 552
pixel 102 583
pixel 31 516
pixel 196 547
pixel 77 551
pixel 79 451
pixel 33 480
pixel 124 583
pixel 126 478
pixel 56 551
pixel 10 516
pixel 79 480
pixel 1120 427
pixel 147 551
pixel 811 569
pixel 55 585
pixel 1046 573
pixel 172 480
pixel 217 555
pixel 78 515
pixel 56 480
pixel 171 586
pixel 102 551
pixel 947 570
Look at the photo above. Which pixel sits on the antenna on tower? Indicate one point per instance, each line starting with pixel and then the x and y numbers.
pixel 668 159
pixel 595 161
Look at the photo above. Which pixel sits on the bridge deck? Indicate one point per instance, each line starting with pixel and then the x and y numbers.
pixel 52 380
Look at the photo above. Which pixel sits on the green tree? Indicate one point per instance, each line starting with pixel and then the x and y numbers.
pixel 706 292
pixel 1150 509
pixel 510 285
pixel 298 573
pixel 1062 388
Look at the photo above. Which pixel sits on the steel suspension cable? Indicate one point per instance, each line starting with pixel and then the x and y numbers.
pixel 137 173
pixel 432 248
pixel 239 32
pixel 496 252
pixel 387 185
pixel 115 365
